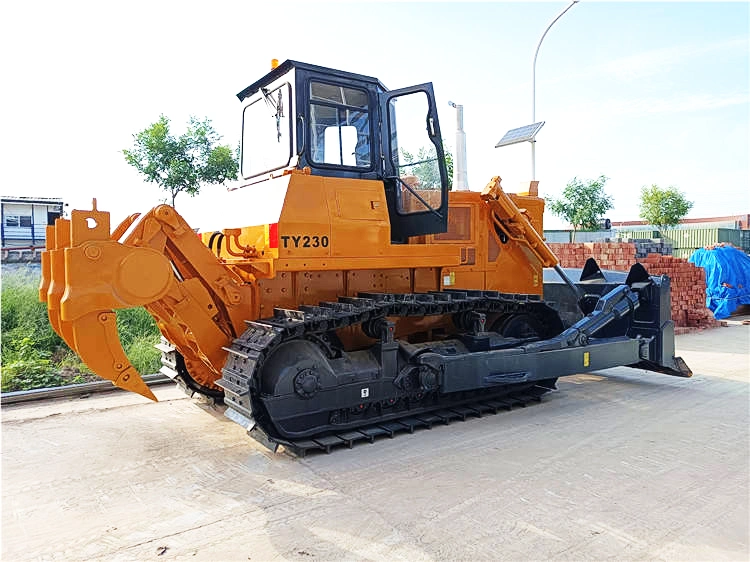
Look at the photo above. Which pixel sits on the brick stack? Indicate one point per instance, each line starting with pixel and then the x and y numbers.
pixel 609 255
pixel 689 310
pixel 688 282
pixel 646 246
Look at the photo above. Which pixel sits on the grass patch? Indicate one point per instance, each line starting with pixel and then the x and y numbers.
pixel 32 355
pixel 22 316
pixel 143 355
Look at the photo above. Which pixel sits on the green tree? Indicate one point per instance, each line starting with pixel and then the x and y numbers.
pixel 583 203
pixel 663 207
pixel 183 163
pixel 449 167
pixel 426 168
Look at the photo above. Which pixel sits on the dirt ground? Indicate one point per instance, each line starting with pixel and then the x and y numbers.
pixel 622 465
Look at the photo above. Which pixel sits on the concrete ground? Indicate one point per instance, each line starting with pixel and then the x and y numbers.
pixel 627 466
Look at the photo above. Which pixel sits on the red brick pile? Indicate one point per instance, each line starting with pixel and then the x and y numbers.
pixel 688 282
pixel 688 291
pixel 609 255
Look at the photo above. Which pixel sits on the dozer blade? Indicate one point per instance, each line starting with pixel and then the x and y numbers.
pixel 98 344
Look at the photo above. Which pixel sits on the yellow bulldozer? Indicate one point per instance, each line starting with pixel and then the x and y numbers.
pixel 369 298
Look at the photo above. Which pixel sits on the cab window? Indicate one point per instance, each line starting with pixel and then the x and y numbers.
pixel 339 126
pixel 414 154
pixel 266 132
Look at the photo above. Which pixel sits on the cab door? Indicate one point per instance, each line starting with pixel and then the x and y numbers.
pixel 414 171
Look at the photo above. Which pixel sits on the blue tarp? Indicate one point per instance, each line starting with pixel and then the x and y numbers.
pixel 727 278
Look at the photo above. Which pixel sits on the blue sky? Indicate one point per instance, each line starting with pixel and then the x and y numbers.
pixel 640 92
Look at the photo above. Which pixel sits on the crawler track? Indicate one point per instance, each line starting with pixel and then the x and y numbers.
pixel 241 378
pixel 369 433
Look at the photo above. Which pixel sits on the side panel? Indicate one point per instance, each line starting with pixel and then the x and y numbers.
pixel 487 260
pixel 343 224
pixel 372 280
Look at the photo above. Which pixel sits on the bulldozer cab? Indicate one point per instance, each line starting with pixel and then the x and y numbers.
pixel 345 125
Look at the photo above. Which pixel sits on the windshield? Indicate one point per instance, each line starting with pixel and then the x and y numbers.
pixel 266 133
pixel 339 125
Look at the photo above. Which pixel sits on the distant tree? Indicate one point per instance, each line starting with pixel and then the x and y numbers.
pixel 449 167
pixel 184 163
pixel 425 168
pixel 583 203
pixel 663 207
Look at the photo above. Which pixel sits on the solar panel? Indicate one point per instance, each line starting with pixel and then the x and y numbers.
pixel 521 134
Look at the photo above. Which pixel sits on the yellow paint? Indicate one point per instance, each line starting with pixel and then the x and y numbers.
pixel 586 358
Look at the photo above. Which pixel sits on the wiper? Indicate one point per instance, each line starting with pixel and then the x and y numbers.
pixel 277 109
pixel 418 162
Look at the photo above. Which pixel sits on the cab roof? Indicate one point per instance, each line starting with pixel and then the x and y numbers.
pixel 288 65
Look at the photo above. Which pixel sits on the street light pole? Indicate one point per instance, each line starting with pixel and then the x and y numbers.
pixel 460 180
pixel 533 86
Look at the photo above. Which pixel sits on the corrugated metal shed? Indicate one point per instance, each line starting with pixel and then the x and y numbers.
pixel 637 234
pixel 593 236
pixel 557 236
pixel 693 238
pixel 683 253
